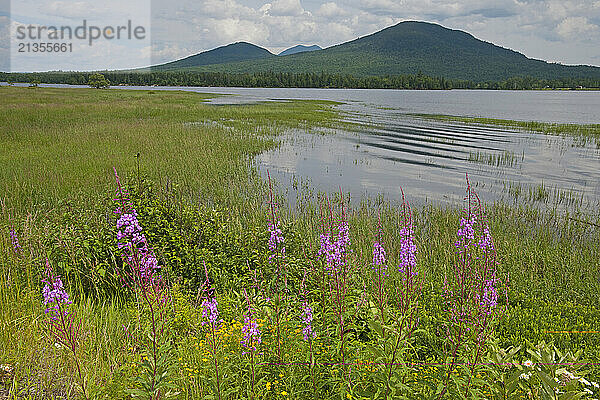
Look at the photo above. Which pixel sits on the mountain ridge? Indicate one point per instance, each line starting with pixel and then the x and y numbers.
pixel 299 49
pixel 409 47
pixel 238 51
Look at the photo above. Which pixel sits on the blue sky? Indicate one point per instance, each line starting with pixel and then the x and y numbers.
pixel 566 31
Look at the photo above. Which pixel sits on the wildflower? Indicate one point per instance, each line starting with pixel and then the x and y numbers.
pixel 594 384
pixel 588 391
pixel 56 297
pixel 6 368
pixel 584 381
pixel 466 232
pixel 528 363
pixel 15 241
pixel 284 393
pixel 251 333
pixel 334 249
pixel 569 375
pixel 210 313
pixel 307 318
pixel 275 240
pixel 61 323
pixel 485 242
pixel 408 251
pixel 379 257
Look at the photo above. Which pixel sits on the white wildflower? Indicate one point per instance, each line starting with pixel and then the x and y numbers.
pixel 584 381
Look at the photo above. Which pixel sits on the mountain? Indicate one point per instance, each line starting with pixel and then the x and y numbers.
pixel 299 49
pixel 409 47
pixel 240 51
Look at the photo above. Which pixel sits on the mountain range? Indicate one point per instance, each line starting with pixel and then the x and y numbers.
pixel 299 49
pixel 409 47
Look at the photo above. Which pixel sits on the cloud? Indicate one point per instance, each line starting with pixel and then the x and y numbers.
pixel 561 30
pixel 286 8
pixel 575 26
pixel 331 9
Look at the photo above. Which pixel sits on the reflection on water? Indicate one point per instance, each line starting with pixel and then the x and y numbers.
pixel 429 160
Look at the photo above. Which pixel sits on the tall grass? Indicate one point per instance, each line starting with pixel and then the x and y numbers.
pixel 583 133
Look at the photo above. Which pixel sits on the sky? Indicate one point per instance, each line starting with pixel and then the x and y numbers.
pixel 565 31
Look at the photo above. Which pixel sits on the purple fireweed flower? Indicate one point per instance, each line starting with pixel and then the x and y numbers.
pixel 485 242
pixel 489 300
pixel 466 232
pixel 307 318
pixel 276 237
pixel 334 249
pixel 275 242
pixel 15 241
pixel 379 257
pixel 132 242
pixel 56 297
pixel 252 337
pixel 408 252
pixel 62 323
pixel 210 313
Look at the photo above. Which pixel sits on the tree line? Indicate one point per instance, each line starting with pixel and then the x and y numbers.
pixel 296 80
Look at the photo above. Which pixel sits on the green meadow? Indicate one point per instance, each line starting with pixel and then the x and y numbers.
pixel 205 211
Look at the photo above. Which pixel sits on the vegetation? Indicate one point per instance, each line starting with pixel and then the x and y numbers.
pixel 263 301
pixel 231 53
pixel 98 81
pixel 305 80
pixel 582 132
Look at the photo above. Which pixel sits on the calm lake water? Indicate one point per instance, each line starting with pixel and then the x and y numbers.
pixel 429 159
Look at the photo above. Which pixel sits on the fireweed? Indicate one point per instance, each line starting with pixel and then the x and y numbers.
pixel 379 288
pixel 251 339
pixel 210 316
pixel 140 273
pixel 15 241
pixel 61 321
pixel 308 333
pixel 471 294
pixel 278 263
pixel 334 249
pixel 408 290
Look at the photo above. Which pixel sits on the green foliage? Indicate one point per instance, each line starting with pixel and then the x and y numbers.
pixel 98 81
pixel 239 51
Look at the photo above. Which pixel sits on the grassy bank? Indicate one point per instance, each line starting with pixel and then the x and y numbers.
pixel 200 204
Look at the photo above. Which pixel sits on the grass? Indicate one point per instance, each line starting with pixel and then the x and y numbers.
pixel 207 204
pixel 583 133
pixel 504 159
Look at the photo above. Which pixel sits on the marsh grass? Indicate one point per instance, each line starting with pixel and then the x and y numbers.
pixel 583 133
pixel 505 158
pixel 56 143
